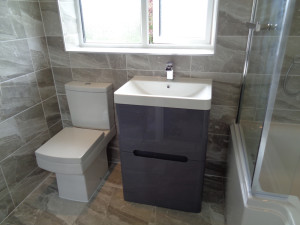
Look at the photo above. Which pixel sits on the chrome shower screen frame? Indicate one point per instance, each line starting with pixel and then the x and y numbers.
pixel 278 61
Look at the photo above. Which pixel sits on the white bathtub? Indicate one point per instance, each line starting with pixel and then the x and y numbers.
pixel 280 172
pixel 244 208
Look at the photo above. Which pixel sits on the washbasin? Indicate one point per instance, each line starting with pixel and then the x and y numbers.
pixel 186 93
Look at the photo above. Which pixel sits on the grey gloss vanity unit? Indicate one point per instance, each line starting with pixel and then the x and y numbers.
pixel 163 128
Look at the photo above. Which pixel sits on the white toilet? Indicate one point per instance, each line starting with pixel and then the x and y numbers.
pixel 78 154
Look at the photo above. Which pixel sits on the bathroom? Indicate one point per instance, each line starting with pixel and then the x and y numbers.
pixel 35 68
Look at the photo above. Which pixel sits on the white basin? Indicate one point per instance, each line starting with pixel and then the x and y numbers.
pixel 186 93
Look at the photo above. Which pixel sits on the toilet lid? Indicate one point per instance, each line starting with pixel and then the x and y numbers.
pixel 70 145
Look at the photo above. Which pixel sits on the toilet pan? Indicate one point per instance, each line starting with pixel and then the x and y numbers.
pixel 78 157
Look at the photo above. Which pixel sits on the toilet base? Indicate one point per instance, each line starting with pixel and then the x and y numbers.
pixel 81 187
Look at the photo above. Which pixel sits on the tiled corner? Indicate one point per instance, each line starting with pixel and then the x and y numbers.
pixel 51 18
pixel 31 18
pixel 64 107
pixel 216 156
pixel 28 184
pixel 39 53
pixel 51 110
pixel 6 202
pixel 61 77
pixel 58 56
pixel 22 162
pixel 55 128
pixel 45 83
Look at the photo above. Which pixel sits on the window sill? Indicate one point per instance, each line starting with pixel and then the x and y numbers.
pixel 150 51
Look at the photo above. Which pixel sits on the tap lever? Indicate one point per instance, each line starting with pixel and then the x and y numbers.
pixel 169 66
pixel 169 69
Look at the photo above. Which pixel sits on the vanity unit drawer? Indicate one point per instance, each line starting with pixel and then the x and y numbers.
pixel 162 180
pixel 163 130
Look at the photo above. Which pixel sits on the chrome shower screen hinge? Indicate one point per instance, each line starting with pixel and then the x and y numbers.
pixel 258 27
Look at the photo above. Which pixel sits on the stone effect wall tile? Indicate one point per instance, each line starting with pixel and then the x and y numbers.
pixel 45 83
pixel 18 95
pixel 51 110
pixel 51 18
pixel 26 81
pixel 39 53
pixel 14 59
pixel 11 21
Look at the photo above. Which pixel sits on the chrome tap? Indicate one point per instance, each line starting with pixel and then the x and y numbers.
pixel 169 70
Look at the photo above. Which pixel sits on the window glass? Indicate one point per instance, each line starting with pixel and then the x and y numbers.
pixel 112 21
pixel 181 22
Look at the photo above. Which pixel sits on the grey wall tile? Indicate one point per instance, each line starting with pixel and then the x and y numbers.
pixel 10 138
pixel 22 162
pixel 31 19
pixel 221 117
pixel 17 95
pixel 292 49
pixel 286 101
pixel 14 59
pixel 214 189
pixel 55 128
pixel 286 116
pixel 180 63
pixel 45 83
pixel 295 31
pixel 117 61
pixel 64 107
pixel 132 73
pixel 39 53
pixel 51 18
pixel 27 185
pixel 175 74
pixel 233 14
pixel 67 123
pixel 11 26
pixel 216 155
pixel 58 56
pixel 51 110
pixel 6 203
pixel 91 60
pixel 116 77
pixel 61 77
pixel 262 54
pixel 138 62
pixel 229 56
pixel 225 88
pixel 31 122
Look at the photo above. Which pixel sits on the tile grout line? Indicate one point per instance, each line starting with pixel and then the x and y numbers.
pixel 21 39
pixel 8 189
pixel 51 67
pixel 27 196
pixel 23 145
pixel 26 109
pixel 23 75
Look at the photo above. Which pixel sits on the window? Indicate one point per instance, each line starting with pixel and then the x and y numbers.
pixel 148 25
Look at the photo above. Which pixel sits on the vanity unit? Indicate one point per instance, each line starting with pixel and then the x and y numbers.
pixel 163 129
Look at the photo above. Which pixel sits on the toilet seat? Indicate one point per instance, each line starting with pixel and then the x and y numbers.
pixel 71 150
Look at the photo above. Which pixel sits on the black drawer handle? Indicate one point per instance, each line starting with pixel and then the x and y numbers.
pixel 162 156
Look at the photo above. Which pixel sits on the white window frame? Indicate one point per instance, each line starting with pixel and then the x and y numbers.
pixel 164 49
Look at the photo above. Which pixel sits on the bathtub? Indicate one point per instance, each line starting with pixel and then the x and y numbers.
pixel 245 208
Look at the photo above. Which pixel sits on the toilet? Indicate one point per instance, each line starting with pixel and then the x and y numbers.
pixel 78 154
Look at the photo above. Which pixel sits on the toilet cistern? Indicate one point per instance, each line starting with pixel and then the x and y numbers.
pixel 169 69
